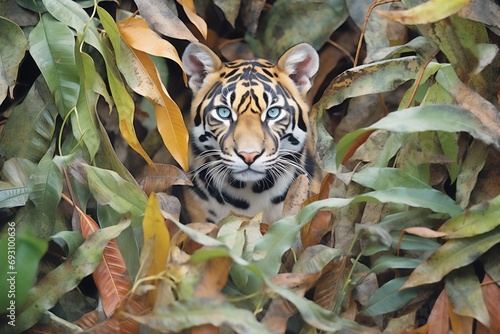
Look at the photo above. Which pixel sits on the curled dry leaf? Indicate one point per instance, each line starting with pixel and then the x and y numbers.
pixel 424 232
pixel 427 12
pixel 163 20
pixel 190 11
pixel 313 232
pixel 161 177
pixel 296 195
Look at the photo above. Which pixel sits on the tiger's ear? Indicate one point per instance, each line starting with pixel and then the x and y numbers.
pixel 198 60
pixel 301 63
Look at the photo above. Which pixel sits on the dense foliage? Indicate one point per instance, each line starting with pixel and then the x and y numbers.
pixel 403 235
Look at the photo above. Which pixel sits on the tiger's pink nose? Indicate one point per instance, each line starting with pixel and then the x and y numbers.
pixel 249 157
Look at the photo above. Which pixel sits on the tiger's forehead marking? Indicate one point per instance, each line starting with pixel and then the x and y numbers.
pixel 250 85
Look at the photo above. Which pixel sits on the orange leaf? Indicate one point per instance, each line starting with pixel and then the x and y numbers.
pixel 424 232
pixel 355 145
pixel 313 232
pixel 491 296
pixel 111 276
pixel 137 34
pixel 214 278
pixel 168 115
pixel 459 323
pixel 200 23
pixel 439 320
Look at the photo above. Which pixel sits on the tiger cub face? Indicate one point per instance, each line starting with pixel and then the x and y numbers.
pixel 249 131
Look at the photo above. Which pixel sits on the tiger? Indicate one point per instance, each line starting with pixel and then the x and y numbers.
pixel 249 131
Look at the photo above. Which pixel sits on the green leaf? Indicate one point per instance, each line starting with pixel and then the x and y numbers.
pixel 283 233
pixel 73 15
pixel 45 186
pixel 21 253
pixel 64 278
pixel 454 254
pixel 83 119
pixel 464 292
pixel 284 25
pixel 386 262
pixel 440 117
pixel 373 78
pixel 230 8
pixel 69 241
pixel 420 198
pixel 17 171
pixel 11 197
pixel 181 315
pixel 478 219
pixel 29 130
pixel 315 258
pixel 387 178
pixel 12 49
pixel 390 298
pixel 108 188
pixel 52 46
pixel 106 157
pixel 475 159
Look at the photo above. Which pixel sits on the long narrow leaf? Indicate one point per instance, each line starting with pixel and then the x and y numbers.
pixel 441 117
pixel 110 276
pixel 52 46
pixel 454 254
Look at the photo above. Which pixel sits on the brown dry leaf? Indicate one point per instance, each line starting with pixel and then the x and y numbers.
pixel 199 22
pixel 278 313
pixel 161 177
pixel 352 310
pixel 327 287
pixel 424 232
pixel 111 276
pixel 87 320
pixel 214 278
pixel 163 20
pixel 439 320
pixel 189 245
pixel 296 195
pixel 312 233
pixel 491 296
pixel 280 309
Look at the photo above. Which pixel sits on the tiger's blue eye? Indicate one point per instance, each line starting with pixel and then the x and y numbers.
pixel 224 112
pixel 273 113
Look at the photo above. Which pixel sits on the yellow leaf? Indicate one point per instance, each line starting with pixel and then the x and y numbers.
pixel 427 12
pixel 137 34
pixel 144 79
pixel 168 115
pixel 189 8
pixel 153 226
